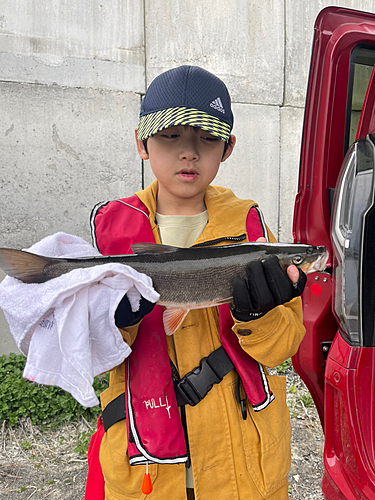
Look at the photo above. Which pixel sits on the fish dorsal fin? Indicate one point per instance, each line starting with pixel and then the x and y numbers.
pixel 172 319
pixel 152 248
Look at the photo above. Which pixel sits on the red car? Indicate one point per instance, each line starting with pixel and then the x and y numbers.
pixel 335 206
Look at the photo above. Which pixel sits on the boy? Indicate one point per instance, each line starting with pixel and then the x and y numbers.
pixel 234 450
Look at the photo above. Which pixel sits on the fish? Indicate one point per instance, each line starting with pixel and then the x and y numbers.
pixel 186 278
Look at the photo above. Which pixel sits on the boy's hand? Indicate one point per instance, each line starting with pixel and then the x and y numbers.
pixel 124 316
pixel 266 286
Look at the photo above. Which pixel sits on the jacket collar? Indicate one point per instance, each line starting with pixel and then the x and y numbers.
pixel 226 213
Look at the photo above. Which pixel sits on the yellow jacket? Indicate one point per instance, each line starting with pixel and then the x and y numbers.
pixel 232 458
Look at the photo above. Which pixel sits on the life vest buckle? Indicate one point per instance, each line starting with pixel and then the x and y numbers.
pixel 195 385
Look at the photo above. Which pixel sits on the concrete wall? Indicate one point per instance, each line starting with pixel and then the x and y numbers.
pixel 72 75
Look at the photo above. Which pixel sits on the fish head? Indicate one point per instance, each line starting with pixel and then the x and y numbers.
pixel 308 258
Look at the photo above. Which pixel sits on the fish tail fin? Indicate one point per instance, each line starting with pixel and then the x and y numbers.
pixel 25 266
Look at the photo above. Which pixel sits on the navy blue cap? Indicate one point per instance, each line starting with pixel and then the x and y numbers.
pixel 187 95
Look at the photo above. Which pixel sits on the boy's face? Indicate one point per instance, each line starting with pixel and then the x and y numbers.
pixel 185 160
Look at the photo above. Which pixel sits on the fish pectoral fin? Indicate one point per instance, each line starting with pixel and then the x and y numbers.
pixel 172 319
pixel 152 248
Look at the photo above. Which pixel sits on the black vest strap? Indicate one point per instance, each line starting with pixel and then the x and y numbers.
pixel 114 412
pixel 190 389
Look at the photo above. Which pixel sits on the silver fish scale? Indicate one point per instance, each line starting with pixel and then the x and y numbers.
pixel 206 281
pixel 65 266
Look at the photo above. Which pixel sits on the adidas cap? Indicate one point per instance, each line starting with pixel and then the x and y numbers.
pixel 187 95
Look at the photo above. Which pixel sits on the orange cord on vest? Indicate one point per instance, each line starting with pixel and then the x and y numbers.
pixel 146 484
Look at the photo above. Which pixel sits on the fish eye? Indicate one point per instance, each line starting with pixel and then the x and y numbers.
pixel 297 260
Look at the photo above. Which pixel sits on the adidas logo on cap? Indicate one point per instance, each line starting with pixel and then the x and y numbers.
pixel 218 105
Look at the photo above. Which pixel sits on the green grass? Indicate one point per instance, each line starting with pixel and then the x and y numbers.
pixel 284 366
pixel 83 442
pixel 42 404
pixel 306 399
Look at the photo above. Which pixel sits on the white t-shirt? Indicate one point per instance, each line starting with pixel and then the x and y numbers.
pixel 181 230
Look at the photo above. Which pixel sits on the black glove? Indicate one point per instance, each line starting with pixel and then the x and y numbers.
pixel 124 316
pixel 265 287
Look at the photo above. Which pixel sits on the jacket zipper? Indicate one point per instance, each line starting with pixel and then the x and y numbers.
pixel 220 240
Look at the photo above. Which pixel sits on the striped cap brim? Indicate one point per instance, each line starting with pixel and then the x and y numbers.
pixel 153 123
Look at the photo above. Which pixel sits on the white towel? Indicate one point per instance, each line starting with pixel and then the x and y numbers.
pixel 66 326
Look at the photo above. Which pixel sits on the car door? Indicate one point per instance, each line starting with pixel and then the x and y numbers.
pixel 336 359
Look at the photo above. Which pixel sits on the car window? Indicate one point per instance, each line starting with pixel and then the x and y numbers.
pixel 362 63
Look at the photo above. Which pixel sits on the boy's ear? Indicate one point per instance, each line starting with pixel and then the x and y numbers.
pixel 230 147
pixel 141 148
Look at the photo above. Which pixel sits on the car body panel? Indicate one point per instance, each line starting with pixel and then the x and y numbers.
pixel 349 425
